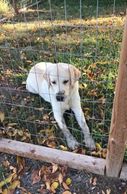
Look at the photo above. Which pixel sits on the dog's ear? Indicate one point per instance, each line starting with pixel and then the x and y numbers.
pixel 75 74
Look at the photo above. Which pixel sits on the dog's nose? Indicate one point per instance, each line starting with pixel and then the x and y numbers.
pixel 60 96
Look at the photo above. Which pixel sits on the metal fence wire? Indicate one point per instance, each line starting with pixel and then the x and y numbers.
pixel 86 34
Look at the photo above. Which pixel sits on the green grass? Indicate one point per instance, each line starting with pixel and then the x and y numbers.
pixel 91 45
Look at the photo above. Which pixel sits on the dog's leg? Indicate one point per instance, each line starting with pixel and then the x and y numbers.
pixel 71 141
pixel 76 107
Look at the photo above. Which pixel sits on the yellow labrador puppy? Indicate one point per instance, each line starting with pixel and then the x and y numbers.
pixel 57 83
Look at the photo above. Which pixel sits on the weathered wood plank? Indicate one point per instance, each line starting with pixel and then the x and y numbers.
pixel 73 160
pixel 118 129
pixel 70 159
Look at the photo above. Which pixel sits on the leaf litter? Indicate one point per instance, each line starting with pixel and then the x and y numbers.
pixel 30 177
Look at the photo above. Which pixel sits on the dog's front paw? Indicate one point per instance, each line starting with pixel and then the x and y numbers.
pixel 89 142
pixel 72 143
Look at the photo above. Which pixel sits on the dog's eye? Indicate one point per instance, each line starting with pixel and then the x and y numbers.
pixel 53 82
pixel 65 81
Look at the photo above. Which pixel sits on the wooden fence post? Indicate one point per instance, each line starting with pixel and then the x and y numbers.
pixel 118 129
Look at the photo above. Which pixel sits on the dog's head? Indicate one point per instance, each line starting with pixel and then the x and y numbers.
pixel 61 78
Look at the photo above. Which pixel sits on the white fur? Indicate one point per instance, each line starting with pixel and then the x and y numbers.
pixel 47 80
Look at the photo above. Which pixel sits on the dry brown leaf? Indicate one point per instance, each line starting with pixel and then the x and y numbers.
pixel 2 117
pixel 91 180
pixel 24 191
pixel 66 192
pixel 54 167
pixel 5 191
pixel 6 163
pixel 63 148
pixel 20 132
pixel 60 178
pixel 42 190
pixel 94 182
pixel 35 177
pixel 12 124
pixel 51 143
pixel 47 183
pixel 21 164
pixel 14 169
pixel 8 72
pixel 65 186
pixel 108 191
pixel 14 185
pixel 104 153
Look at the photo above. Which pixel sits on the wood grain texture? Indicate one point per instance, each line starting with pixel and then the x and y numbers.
pixel 50 155
pixel 118 129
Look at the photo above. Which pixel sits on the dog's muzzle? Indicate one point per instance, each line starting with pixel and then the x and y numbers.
pixel 60 96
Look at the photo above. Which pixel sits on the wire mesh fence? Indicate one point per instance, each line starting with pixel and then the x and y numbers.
pixel 86 34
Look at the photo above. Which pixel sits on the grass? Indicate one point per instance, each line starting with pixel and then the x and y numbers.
pixel 91 44
pixel 5 8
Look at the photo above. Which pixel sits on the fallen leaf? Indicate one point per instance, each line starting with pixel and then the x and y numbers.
pixel 108 191
pixel 54 186
pixel 12 124
pixel 91 180
pixel 42 190
pixel 60 178
pixel 98 146
pixel 54 167
pixel 7 180
pixel 14 184
pixel 63 148
pixel 94 183
pixel 104 153
pixel 66 192
pixel 24 191
pixel 12 187
pixel 2 117
pixel 13 169
pixel 35 177
pixel 83 86
pixel 6 163
pixel 21 164
pixel 65 186
pixel 47 183
pixel 5 191
pixel 68 181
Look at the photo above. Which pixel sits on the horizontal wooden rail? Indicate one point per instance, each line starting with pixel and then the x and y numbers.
pixel 72 160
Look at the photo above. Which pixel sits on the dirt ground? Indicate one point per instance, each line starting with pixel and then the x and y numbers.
pixel 33 180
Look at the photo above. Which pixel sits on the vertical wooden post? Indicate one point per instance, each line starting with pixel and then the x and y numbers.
pixel 118 129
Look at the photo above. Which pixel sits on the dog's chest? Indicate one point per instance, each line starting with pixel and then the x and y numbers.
pixel 65 105
pixel 60 106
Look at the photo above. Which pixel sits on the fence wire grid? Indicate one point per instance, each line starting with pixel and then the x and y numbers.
pixel 86 34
